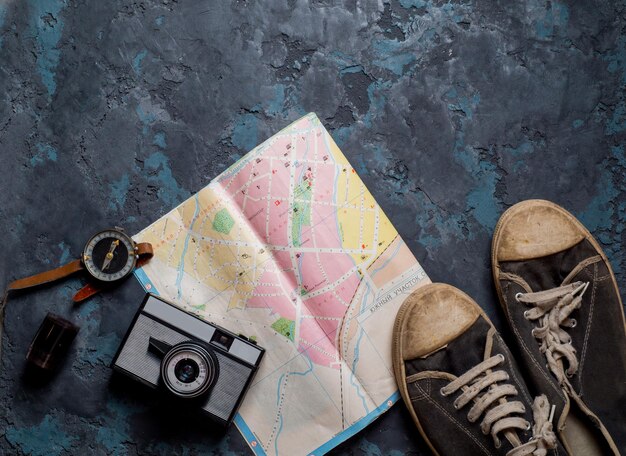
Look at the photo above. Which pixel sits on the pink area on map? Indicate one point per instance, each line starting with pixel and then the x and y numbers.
pixel 281 146
pixel 336 301
pixel 318 345
pixel 260 301
pixel 319 270
pixel 237 196
pixel 299 140
pixel 280 177
pixel 280 306
pixel 282 259
pixel 258 180
pixel 325 305
pixel 261 166
pixel 323 177
pixel 277 228
pixel 347 289
pixel 326 312
pixel 299 157
pixel 288 282
pixel 336 265
pixel 257 190
pixel 237 186
pixel 254 212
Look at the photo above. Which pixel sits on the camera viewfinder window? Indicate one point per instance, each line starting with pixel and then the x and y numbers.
pixel 222 340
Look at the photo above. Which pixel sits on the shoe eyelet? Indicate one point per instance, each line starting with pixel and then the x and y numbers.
pixel 573 324
pixel 517 296
pixel 528 426
pixel 501 356
pixel 442 392
pixel 533 332
pixel 526 313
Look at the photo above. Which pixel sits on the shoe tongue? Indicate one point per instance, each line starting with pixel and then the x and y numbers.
pixel 460 355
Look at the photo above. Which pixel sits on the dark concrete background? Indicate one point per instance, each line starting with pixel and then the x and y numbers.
pixel 113 112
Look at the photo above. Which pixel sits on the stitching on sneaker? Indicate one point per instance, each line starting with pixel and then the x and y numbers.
pixel 516 279
pixel 419 396
pixel 581 267
pixel 583 353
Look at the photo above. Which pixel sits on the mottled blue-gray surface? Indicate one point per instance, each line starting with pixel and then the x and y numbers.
pixel 112 112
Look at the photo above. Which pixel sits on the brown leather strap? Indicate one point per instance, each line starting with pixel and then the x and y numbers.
pixel 145 248
pixel 46 277
pixel 87 292
pixel 37 279
pixel 145 252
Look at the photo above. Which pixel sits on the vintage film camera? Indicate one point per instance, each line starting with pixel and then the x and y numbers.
pixel 192 359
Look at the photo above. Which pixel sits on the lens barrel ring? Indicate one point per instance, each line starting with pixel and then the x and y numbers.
pixel 203 356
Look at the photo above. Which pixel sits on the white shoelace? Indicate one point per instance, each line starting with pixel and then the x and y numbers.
pixel 480 385
pixel 551 310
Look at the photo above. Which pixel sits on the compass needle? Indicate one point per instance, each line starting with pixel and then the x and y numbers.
pixel 109 255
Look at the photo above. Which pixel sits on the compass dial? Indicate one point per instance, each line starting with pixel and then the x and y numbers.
pixel 110 256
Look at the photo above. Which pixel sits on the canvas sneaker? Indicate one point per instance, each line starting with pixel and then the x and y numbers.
pixel 460 383
pixel 564 309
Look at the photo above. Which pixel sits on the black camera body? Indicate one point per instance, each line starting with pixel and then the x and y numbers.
pixel 190 358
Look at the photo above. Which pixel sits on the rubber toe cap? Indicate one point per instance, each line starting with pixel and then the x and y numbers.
pixel 533 229
pixel 432 316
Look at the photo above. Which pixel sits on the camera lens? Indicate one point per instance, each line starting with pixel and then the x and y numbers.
pixel 186 370
pixel 189 369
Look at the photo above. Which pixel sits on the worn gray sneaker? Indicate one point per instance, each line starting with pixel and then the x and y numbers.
pixel 564 309
pixel 460 382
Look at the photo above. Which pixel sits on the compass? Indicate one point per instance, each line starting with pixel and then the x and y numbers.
pixel 110 255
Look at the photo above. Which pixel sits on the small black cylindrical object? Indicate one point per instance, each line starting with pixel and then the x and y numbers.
pixel 51 342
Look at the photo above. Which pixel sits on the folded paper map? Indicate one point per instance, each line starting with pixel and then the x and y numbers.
pixel 288 246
